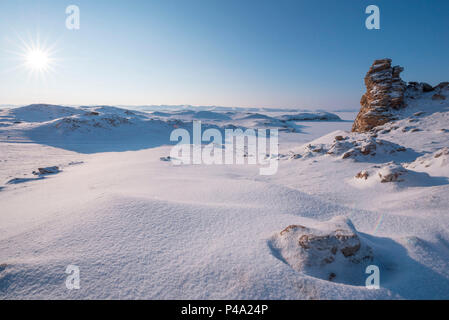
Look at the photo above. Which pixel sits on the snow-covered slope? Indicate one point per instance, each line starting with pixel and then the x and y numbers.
pixel 139 227
pixel 87 129
pixel 42 112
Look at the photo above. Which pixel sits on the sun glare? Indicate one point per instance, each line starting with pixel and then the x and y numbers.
pixel 37 60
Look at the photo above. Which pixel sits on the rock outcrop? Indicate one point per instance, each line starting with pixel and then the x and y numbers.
pixel 325 250
pixel 384 93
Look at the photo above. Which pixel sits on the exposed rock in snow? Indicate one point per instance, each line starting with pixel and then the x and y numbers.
pixel 329 250
pixel 85 122
pixel 387 172
pixel 385 92
pixel 387 96
pixel 40 174
pixel 426 87
pixel 167 159
pixel 47 170
pixel 364 174
pixel 393 172
pixel 75 163
pixel 357 147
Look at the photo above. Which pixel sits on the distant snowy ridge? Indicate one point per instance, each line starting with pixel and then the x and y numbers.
pixel 107 124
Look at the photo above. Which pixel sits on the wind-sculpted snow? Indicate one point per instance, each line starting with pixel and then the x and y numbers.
pixel 139 226
pixel 436 162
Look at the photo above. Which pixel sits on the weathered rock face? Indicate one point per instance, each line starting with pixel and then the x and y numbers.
pixel 384 93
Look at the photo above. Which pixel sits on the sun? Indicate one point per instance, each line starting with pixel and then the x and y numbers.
pixel 37 60
pixel 35 57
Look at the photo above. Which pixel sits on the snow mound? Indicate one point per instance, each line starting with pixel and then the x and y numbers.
pixel 436 163
pixel 211 115
pixel 88 129
pixel 330 250
pixel 392 172
pixel 257 116
pixel 389 172
pixel 43 112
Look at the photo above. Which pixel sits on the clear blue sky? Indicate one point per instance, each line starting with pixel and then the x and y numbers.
pixel 304 54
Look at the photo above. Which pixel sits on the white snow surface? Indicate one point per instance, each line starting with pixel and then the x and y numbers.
pixel 141 228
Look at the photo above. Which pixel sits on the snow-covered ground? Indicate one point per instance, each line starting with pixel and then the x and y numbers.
pixel 139 227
